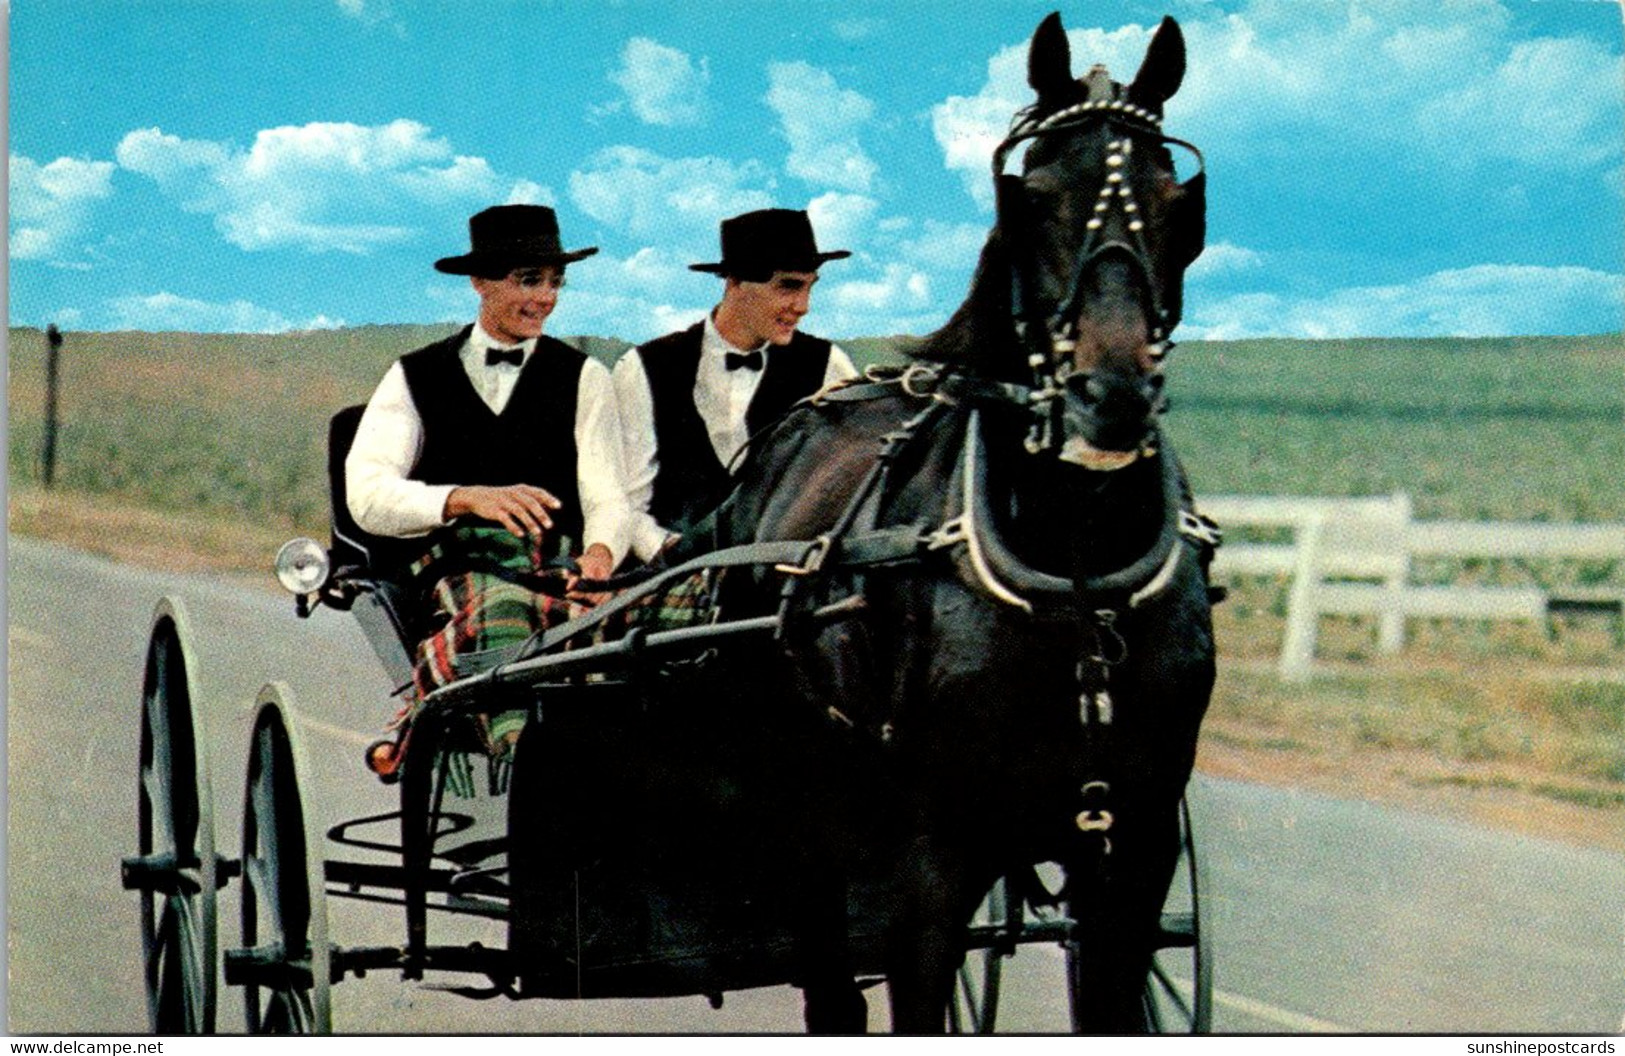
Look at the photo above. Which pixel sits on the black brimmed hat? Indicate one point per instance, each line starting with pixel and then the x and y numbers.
pixel 766 241
pixel 505 237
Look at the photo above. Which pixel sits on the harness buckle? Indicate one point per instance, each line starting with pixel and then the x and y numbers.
pixel 1204 530
pixel 949 533
pixel 814 560
pixel 1102 709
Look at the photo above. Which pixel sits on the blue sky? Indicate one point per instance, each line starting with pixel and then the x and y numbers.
pixel 1376 167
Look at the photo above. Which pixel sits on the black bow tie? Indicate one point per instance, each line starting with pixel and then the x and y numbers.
pixel 516 356
pixel 747 360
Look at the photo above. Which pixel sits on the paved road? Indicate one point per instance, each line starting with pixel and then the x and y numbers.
pixel 1328 915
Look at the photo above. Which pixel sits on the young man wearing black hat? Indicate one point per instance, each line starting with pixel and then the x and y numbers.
pixel 498 442
pixel 691 399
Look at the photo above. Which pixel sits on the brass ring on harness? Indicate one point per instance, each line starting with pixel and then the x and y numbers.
pixel 1094 820
pixel 915 372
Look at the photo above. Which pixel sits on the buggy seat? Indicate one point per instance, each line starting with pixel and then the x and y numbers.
pixel 370 573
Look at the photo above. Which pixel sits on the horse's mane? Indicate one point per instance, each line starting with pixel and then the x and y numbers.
pixel 980 326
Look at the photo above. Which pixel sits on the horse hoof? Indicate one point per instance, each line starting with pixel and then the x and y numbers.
pixel 845 1012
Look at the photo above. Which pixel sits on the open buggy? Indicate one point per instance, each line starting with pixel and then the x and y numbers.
pixel 942 705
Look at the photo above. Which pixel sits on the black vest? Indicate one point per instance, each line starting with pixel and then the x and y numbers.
pixel 531 442
pixel 690 481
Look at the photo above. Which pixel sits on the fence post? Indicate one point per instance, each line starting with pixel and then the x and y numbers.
pixel 1302 609
pixel 53 349
pixel 1391 625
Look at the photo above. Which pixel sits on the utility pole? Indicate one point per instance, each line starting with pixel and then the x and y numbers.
pixel 53 349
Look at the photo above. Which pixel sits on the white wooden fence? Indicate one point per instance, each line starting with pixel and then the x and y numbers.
pixel 1353 556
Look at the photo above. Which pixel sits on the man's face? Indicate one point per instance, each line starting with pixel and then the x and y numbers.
pixel 513 308
pixel 770 311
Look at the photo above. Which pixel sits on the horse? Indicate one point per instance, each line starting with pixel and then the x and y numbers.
pixel 1032 650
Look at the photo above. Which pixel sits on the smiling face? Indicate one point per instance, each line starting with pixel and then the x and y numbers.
pixel 755 312
pixel 514 307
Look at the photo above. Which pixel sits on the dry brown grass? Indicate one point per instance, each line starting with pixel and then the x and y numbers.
pixel 1535 746
pixel 146 537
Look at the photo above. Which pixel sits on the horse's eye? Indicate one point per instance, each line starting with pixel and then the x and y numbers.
pixel 1041 194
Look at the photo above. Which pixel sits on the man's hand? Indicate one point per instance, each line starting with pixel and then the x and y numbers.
pixel 596 562
pixel 520 508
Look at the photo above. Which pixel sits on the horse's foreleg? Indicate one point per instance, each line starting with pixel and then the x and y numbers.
pixel 1109 957
pixel 926 942
pixel 1116 901
pixel 832 1002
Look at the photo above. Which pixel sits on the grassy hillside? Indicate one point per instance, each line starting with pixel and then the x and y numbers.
pixel 1505 428
pixel 235 425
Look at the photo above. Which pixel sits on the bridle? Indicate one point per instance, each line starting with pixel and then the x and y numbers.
pixel 1044 329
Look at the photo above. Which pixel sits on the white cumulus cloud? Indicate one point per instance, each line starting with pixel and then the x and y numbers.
pixel 1278 78
pixel 969 127
pixel 166 311
pixel 897 300
pixel 323 186
pixel 639 296
pixel 50 204
pixel 1485 300
pixel 1550 104
pixel 1223 258
pixel 841 221
pixel 529 192
pixel 629 317
pixel 899 287
pixel 666 199
pixel 946 247
pixel 821 121
pixel 664 86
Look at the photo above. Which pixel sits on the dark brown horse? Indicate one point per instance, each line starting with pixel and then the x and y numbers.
pixel 1035 651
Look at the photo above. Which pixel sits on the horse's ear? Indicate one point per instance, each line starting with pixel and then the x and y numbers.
pixel 1163 68
pixel 1049 60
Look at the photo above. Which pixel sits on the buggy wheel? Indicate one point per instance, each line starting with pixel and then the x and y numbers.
pixel 287 981
pixel 974 1006
pixel 1179 990
pixel 175 869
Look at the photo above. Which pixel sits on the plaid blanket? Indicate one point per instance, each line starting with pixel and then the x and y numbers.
pixel 485 608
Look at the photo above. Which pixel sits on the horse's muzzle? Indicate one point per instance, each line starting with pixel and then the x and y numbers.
pixel 1107 418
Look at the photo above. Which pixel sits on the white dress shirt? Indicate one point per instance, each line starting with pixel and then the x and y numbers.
pixel 385 501
pixel 722 397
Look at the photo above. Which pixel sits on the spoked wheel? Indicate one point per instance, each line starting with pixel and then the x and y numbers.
pixel 1179 991
pixel 975 1003
pixel 1180 988
pixel 1178 995
pixel 286 964
pixel 175 870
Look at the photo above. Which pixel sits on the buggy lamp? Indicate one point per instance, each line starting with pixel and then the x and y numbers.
pixel 301 565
